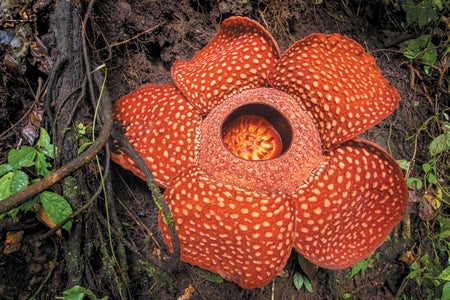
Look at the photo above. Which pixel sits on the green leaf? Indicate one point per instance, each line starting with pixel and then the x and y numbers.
pixel 416 274
pixel 404 164
pixel 42 166
pixel 444 224
pixel 75 293
pixel 360 267
pixel 408 7
pixel 212 277
pixel 432 178
pixel 446 291
pixel 423 12
pixel 81 129
pixel 13 182
pixel 298 280
pixel 308 285
pixel 440 144
pixel 429 55
pixel 83 147
pixel 421 48
pixel 427 15
pixel 78 293
pixel 438 4
pixel 57 208
pixel 447 51
pixel 426 167
pixel 5 185
pixel 413 180
pixel 446 125
pixel 420 42
pixel 301 280
pixel 444 234
pixel 5 168
pixel 24 157
pixel 44 144
pixel 445 275
pixel 19 181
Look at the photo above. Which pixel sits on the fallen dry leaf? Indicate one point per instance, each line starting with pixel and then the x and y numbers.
pixel 13 241
pixel 187 293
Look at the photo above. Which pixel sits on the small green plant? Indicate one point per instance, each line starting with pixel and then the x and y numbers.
pixel 33 162
pixel 427 56
pixel 430 274
pixel 78 293
pixel 301 280
pixel 427 53
pixel 428 271
pixel 434 168
pixel 441 143
pixel 361 267
pixel 421 48
pixel 412 182
pixel 423 12
pixel 423 17
pixel 211 277
pixel 83 131
pixel 430 171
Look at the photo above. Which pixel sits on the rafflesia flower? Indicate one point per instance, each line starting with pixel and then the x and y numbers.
pixel 257 153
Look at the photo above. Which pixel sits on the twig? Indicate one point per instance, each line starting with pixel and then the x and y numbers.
pixel 134 37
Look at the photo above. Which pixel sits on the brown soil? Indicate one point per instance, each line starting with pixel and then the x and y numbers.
pixel 144 39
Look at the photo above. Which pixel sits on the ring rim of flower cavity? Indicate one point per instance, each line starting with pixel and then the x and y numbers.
pixel 295 163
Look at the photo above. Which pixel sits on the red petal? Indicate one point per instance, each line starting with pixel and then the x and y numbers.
pixel 161 125
pixel 338 83
pixel 239 57
pixel 246 237
pixel 350 206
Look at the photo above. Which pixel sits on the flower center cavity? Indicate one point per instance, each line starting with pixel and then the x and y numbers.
pixel 256 132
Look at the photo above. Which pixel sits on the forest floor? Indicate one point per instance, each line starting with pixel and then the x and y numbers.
pixel 138 41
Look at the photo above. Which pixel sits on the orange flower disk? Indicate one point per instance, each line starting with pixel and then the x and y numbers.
pixel 257 152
